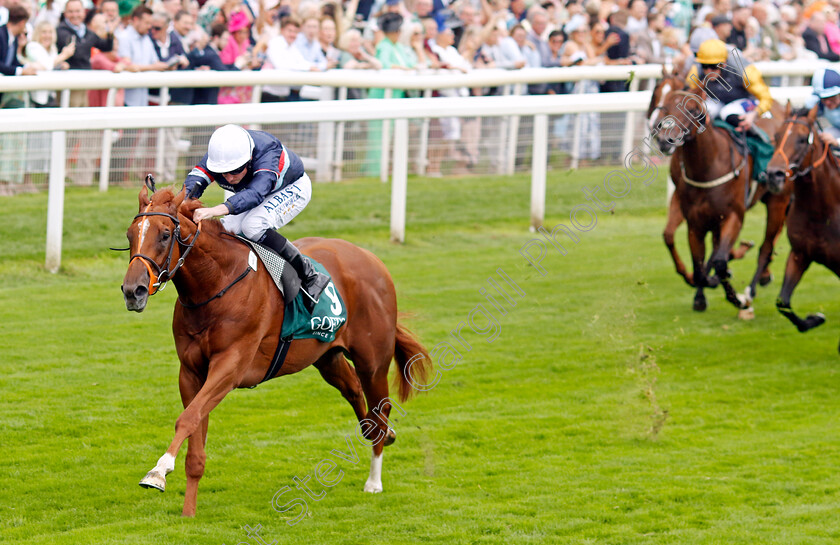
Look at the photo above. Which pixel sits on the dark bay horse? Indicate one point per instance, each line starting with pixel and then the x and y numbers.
pixel 227 326
pixel 814 216
pixel 674 81
pixel 711 177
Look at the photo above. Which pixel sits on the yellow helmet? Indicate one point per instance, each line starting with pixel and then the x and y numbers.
pixel 712 52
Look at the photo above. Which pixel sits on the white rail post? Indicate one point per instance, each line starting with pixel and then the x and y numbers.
pixel 55 202
pixel 539 162
pixel 423 152
pixel 325 142
pixel 107 143
pixel 497 151
pixel 399 181
pixel 161 137
pixel 386 143
pixel 513 137
pixel 338 159
pixel 576 137
pixel 629 125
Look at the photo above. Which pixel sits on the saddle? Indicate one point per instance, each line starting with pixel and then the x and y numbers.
pixel 284 276
pixel 757 145
pixel 326 318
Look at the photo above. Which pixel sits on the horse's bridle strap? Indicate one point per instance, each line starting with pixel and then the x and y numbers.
pixel 157 281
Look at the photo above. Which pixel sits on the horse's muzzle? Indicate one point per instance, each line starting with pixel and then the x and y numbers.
pixel 136 297
pixel 775 180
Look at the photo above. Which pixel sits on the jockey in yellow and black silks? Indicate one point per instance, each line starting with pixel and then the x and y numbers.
pixel 736 92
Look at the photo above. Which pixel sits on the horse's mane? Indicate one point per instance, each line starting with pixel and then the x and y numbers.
pixel 800 112
pixel 164 196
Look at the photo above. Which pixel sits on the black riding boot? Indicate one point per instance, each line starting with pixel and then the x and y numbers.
pixel 312 281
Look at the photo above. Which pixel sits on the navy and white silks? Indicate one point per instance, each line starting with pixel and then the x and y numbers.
pixel 275 189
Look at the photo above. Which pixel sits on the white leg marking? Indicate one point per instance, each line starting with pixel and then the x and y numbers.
pixel 166 464
pixel 374 482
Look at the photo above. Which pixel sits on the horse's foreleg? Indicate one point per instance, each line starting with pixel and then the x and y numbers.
pixel 796 266
pixel 190 385
pixel 221 380
pixel 697 243
pixel 720 257
pixel 772 231
pixel 675 219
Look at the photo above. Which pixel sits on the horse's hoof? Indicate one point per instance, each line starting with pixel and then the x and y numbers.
pixel 747 244
pixel 153 479
pixel 390 437
pixel 700 304
pixel 763 280
pixel 815 320
pixel 373 488
pixel 743 301
pixel 712 282
pixel 746 314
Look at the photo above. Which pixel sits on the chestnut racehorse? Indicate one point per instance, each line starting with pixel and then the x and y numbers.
pixel 711 177
pixel 673 81
pixel 227 326
pixel 814 216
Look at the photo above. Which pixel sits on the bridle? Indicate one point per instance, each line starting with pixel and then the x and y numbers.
pixel 161 273
pixel 795 165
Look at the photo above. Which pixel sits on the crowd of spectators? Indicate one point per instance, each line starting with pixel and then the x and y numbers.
pixel 462 35
pixel 317 35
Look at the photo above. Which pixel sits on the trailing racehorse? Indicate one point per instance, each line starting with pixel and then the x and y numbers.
pixel 673 81
pixel 814 216
pixel 711 178
pixel 228 319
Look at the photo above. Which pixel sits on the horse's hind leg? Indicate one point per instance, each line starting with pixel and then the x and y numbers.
pixel 339 374
pixel 376 426
pixel 796 266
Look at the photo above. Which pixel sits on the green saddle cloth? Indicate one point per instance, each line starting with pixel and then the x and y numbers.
pixel 324 322
pixel 759 147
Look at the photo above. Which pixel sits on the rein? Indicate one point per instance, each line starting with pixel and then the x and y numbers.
pixel 159 277
pixel 790 165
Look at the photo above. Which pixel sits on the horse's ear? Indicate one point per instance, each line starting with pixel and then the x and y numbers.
pixel 788 109
pixel 812 114
pixel 701 93
pixel 144 198
pixel 150 182
pixel 179 198
pixel 664 71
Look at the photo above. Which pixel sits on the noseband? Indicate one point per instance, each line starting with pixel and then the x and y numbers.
pixel 795 165
pixel 161 273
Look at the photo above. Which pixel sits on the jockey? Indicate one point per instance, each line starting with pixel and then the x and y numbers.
pixel 269 189
pixel 826 83
pixel 736 91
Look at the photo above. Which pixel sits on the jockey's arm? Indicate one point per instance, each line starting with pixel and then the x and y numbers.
pixel 759 89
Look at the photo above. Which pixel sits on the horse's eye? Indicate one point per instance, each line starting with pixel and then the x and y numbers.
pixel 667 123
pixel 164 236
pixel 802 139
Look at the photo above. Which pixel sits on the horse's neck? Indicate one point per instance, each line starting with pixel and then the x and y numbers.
pixel 212 263
pixel 819 190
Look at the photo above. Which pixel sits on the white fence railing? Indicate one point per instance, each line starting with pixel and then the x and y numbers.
pixel 327 164
pixel 58 121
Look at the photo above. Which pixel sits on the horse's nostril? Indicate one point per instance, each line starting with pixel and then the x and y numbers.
pixel 140 291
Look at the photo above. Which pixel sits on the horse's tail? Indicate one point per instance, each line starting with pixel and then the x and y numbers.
pixel 413 363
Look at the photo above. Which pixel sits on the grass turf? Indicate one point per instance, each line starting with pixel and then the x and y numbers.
pixel 603 411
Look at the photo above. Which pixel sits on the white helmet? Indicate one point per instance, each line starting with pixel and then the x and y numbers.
pixel 230 148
